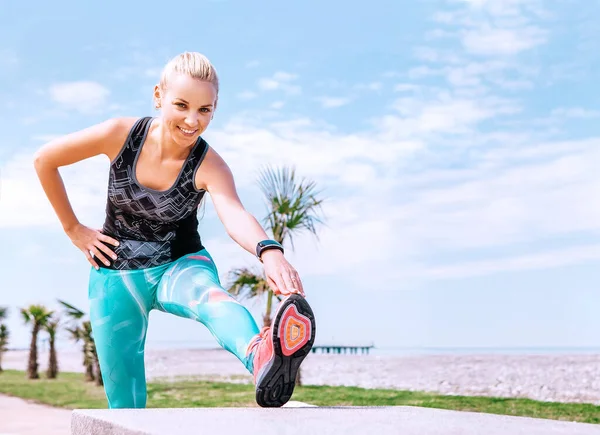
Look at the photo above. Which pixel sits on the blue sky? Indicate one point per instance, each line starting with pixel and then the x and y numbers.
pixel 457 143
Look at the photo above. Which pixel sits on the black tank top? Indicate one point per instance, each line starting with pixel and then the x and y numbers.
pixel 153 227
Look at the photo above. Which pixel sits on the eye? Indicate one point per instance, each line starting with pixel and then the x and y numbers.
pixel 205 109
pixel 180 104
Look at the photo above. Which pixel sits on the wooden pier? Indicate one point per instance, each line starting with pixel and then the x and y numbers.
pixel 337 349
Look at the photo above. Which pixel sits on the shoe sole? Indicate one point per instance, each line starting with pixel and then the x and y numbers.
pixel 294 335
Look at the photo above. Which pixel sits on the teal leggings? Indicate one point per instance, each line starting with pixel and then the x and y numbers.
pixel 121 300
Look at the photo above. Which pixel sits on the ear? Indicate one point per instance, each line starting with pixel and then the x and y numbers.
pixel 157 96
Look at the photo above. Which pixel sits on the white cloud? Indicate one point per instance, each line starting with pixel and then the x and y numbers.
pixel 493 27
pixel 422 71
pixel 372 86
pixel 406 87
pixel 283 76
pixel 506 201
pixel 82 96
pixel 490 41
pixel 280 81
pixel 575 112
pixel 537 261
pixel 23 202
pixel 440 112
pixel 332 102
pixel 247 95
pixel 44 137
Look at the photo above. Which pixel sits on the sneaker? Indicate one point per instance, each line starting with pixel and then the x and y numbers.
pixel 279 350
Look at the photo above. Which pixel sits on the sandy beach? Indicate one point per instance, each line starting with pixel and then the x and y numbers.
pixel 560 378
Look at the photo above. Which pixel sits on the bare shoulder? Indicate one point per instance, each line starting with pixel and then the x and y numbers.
pixel 213 171
pixel 106 138
pixel 116 132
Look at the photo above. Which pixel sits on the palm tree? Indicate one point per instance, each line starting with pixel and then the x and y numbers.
pixel 293 208
pixel 248 283
pixel 4 334
pixel 82 331
pixel 38 316
pixel 51 327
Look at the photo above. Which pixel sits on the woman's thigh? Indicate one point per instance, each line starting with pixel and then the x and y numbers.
pixel 191 288
pixel 120 302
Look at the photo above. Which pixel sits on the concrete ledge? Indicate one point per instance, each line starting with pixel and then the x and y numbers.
pixel 312 421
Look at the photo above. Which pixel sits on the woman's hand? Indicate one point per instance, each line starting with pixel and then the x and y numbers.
pixel 281 276
pixel 89 241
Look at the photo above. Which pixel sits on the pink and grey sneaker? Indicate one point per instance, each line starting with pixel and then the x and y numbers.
pixel 279 350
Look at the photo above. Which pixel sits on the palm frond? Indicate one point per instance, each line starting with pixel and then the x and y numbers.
pixel 4 336
pixel 51 326
pixel 71 310
pixel 246 283
pixel 26 315
pixel 3 313
pixel 293 205
pixel 76 333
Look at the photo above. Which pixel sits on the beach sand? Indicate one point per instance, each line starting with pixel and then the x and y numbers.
pixel 559 378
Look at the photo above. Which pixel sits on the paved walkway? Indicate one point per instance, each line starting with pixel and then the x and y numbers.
pixel 321 420
pixel 20 417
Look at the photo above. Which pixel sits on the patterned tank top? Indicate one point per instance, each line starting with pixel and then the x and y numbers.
pixel 153 227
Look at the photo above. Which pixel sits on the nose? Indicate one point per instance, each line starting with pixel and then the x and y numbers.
pixel 191 120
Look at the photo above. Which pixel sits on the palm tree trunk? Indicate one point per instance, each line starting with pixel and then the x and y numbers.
pixel 267 316
pixel 32 366
pixel 52 362
pixel 89 373
pixel 1 369
pixel 88 362
pixel 99 380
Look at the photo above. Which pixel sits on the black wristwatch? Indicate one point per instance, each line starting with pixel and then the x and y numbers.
pixel 265 245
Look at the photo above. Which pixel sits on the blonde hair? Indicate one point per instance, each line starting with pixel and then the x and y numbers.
pixel 193 64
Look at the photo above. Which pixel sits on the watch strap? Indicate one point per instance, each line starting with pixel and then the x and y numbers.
pixel 265 245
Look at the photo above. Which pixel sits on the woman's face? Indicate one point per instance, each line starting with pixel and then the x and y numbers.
pixel 187 107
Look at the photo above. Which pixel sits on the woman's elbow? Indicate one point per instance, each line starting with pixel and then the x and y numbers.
pixel 40 161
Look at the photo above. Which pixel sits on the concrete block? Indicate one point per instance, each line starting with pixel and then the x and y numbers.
pixel 314 421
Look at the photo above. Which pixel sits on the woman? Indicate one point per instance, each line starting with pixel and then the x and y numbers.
pixel 149 254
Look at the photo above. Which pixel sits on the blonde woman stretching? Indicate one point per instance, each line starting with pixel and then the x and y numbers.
pixel 149 254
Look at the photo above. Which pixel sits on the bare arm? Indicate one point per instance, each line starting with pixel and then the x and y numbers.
pixel 65 151
pixel 243 227
pixel 99 139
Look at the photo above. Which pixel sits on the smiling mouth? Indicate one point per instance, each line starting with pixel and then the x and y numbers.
pixel 187 132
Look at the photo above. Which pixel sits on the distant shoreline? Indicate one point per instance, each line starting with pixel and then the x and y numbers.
pixel 381 351
pixel 548 377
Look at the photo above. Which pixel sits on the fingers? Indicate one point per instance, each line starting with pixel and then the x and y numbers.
pixel 297 282
pixel 283 290
pixel 286 282
pixel 292 281
pixel 273 286
pixel 99 255
pixel 100 246
pixel 107 239
pixel 106 250
pixel 90 259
